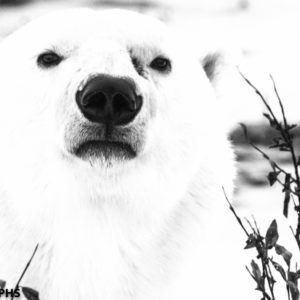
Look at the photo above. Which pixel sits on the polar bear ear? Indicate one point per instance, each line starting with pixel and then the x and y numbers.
pixel 212 64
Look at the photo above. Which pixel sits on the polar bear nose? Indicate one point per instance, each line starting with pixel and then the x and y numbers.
pixel 109 100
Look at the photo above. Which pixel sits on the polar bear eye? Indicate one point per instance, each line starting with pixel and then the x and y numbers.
pixel 161 64
pixel 49 59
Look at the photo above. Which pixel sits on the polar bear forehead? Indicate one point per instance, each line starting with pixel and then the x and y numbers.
pixel 76 26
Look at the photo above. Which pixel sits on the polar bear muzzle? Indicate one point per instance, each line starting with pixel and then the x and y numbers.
pixel 109 100
pixel 109 105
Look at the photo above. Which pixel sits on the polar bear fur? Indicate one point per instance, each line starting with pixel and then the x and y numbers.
pixel 154 227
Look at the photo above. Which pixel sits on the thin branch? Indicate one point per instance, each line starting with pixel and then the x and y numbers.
pixel 271 161
pixel 270 279
pixel 261 97
pixel 295 236
pixel 250 225
pixel 280 102
pixel 24 271
pixel 235 214
pixel 255 224
pixel 250 273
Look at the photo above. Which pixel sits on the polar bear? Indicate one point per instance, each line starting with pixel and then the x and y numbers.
pixel 113 159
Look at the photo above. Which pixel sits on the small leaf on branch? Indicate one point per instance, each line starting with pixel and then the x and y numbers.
pixel 257 276
pixel 280 146
pixel 280 269
pixel 287 183
pixel 2 284
pixel 290 127
pixel 284 148
pixel 272 235
pixel 30 294
pixel 273 146
pixel 251 241
pixel 277 142
pixel 292 276
pixel 293 284
pixel 273 165
pixel 294 290
pixel 272 177
pixel 297 274
pixel 287 255
pixel 297 190
pixel 245 130
pixel 271 120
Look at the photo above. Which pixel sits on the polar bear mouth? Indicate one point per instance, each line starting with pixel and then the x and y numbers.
pixel 105 149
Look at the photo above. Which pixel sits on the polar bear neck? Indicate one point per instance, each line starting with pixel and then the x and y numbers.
pixel 103 243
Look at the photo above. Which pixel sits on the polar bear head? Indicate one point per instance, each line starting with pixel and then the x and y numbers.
pixel 110 135
pixel 112 92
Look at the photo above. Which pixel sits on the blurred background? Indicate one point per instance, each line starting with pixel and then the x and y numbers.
pixel 261 37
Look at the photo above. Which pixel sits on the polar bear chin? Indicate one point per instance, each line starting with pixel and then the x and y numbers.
pixel 106 150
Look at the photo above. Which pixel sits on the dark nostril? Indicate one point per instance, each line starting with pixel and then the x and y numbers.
pixel 96 101
pixel 106 99
pixel 121 103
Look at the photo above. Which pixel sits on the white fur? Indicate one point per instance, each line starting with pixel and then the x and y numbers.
pixel 155 227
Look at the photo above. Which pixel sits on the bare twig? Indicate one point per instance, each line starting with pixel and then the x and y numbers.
pixel 261 96
pixel 24 271
pixel 235 214
pixel 280 102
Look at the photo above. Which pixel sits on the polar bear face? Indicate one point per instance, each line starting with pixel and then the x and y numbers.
pixel 116 86
pixel 113 95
